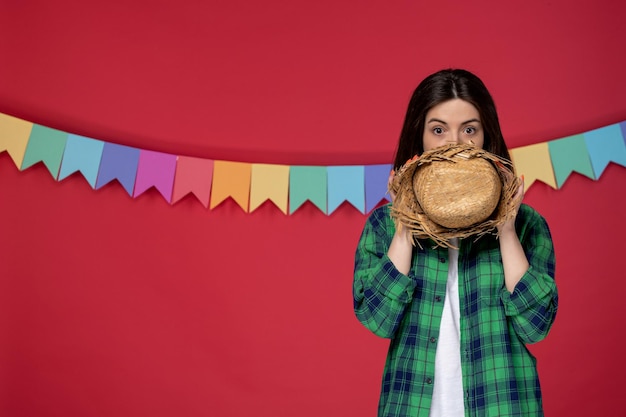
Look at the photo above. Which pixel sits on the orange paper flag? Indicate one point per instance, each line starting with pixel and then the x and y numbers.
pixel 269 182
pixel 14 134
pixel 231 179
pixel 534 163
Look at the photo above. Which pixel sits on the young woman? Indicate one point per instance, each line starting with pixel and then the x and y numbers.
pixel 458 320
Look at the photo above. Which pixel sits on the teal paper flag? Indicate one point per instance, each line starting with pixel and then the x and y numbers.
pixel 45 145
pixel 605 145
pixel 307 183
pixel 346 183
pixel 568 155
pixel 82 154
pixel 376 179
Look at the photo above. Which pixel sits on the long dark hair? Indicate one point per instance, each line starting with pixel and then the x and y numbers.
pixel 443 86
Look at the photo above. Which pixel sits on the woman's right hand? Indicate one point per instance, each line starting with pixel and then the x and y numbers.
pixel 401 248
pixel 389 181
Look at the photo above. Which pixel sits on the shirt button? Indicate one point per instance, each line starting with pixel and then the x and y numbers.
pixel 466 394
pixel 433 339
pixel 442 260
pixel 437 298
pixel 429 380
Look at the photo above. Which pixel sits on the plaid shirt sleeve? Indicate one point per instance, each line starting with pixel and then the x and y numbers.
pixel 381 292
pixel 533 304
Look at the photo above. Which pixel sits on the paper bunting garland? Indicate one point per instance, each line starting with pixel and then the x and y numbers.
pixel 231 179
pixel 269 182
pixel 533 162
pixel 82 155
pixel 45 145
pixel 376 179
pixel 346 183
pixel 119 163
pixel 250 185
pixel 308 183
pixel 155 169
pixel 570 155
pixel 14 134
pixel 605 145
pixel 193 175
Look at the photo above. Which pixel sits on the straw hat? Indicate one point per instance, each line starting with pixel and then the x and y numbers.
pixel 453 191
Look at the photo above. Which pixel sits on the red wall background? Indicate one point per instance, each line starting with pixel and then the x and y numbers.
pixel 114 306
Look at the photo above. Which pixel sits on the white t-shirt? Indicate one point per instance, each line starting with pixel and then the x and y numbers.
pixel 448 389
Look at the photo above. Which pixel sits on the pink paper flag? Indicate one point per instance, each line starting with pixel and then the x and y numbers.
pixel 157 170
pixel 193 175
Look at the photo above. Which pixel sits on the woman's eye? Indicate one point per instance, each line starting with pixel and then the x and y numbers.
pixel 437 131
pixel 470 130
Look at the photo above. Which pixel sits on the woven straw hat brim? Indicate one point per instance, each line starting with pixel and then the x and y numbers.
pixel 407 211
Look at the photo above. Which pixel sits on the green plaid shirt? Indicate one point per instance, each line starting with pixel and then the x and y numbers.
pixel 499 373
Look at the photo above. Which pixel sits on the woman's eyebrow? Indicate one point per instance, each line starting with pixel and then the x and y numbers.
pixel 435 120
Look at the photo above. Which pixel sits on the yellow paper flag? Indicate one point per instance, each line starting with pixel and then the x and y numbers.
pixel 269 182
pixel 14 134
pixel 231 179
pixel 534 163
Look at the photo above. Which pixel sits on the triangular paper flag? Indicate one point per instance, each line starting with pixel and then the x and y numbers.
pixel 568 155
pixel 376 180
pixel 605 145
pixel 82 154
pixel 193 175
pixel 533 162
pixel 45 145
pixel 346 183
pixel 14 134
pixel 118 162
pixel 155 169
pixel 307 183
pixel 269 182
pixel 231 179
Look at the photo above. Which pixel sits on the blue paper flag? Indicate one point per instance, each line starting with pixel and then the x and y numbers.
pixel 605 145
pixel 118 162
pixel 568 155
pixel 307 183
pixel 346 183
pixel 376 178
pixel 82 154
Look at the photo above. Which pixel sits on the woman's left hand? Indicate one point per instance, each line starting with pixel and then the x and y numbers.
pixel 516 201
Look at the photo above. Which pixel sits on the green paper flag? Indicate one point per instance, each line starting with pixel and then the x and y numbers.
pixel 570 154
pixel 307 183
pixel 45 145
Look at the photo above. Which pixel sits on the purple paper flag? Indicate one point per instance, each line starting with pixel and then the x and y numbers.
pixel 157 170
pixel 118 162
pixel 376 178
